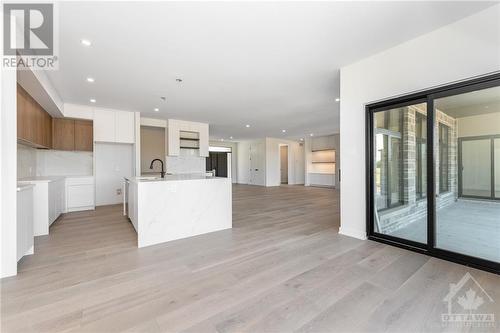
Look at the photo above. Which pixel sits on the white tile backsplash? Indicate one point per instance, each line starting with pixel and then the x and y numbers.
pixel 33 162
pixel 26 161
pixel 188 161
pixel 64 163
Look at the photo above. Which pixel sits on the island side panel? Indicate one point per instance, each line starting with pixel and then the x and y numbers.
pixel 169 210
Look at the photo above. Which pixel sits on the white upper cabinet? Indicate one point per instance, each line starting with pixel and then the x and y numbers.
pixel 203 130
pixel 125 127
pixel 174 128
pixel 114 126
pixel 173 133
pixel 104 125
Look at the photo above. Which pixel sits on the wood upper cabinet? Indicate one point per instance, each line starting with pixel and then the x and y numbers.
pixel 70 134
pixel 84 135
pixel 34 124
pixel 63 134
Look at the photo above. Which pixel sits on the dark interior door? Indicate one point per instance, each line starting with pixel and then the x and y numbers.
pixel 217 161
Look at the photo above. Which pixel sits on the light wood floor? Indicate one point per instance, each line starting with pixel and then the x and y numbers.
pixel 282 268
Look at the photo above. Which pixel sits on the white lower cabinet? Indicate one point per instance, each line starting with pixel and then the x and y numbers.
pixel 56 199
pixel 48 202
pixel 25 235
pixel 80 194
pixel 322 179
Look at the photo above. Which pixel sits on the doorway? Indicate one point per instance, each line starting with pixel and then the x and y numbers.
pixel 219 161
pixel 284 164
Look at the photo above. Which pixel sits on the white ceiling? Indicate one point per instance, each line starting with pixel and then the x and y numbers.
pixel 271 65
pixel 471 104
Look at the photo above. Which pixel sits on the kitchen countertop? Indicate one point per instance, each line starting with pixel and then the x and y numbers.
pixel 177 177
pixel 23 187
pixel 48 179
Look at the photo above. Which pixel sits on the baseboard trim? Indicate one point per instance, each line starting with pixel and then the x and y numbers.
pixel 359 234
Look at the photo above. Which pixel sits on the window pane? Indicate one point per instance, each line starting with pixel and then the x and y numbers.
pixel 398 210
pixel 468 217
pixel 476 168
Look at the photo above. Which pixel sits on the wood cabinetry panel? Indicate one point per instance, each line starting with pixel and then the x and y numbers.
pixel 47 123
pixel 34 124
pixel 84 135
pixel 63 137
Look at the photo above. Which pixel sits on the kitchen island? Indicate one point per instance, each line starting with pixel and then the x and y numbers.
pixel 178 206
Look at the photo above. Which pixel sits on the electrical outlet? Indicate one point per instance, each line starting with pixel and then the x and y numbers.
pixel 118 191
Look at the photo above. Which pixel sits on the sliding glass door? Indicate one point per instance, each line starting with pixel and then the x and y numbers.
pixel 399 172
pixel 438 190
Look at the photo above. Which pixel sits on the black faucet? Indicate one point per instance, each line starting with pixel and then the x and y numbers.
pixel 162 170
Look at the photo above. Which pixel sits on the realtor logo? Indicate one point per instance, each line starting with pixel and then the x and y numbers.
pixel 468 304
pixel 29 36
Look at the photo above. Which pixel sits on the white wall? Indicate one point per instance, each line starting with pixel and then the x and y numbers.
pixel 234 156
pixel 113 161
pixel 8 172
pixel 295 162
pixel 464 49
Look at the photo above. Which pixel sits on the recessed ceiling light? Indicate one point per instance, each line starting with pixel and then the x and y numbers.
pixel 92 100
pixel 301 139
pixel 312 134
pixel 231 137
pixel 284 131
pixel 90 79
pixel 247 125
pixel 86 42
pixel 221 139
pixel 156 109
pixel 337 99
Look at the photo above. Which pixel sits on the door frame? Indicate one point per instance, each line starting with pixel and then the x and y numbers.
pixel 428 96
pixel 491 138
pixel 287 162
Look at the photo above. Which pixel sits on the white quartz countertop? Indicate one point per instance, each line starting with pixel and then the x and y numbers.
pixel 41 179
pixel 176 177
pixel 23 187
pixel 49 178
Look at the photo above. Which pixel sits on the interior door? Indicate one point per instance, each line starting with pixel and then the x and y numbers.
pixel 284 164
pixel 257 176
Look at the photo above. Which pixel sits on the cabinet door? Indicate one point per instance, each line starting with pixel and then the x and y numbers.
pixel 39 114
pixel 23 120
pixel 47 130
pixel 173 138
pixel 203 130
pixel 125 127
pixel 80 196
pixel 84 135
pixel 63 137
pixel 52 202
pixel 104 125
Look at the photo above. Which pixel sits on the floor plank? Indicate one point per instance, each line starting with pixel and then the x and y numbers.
pixel 283 267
